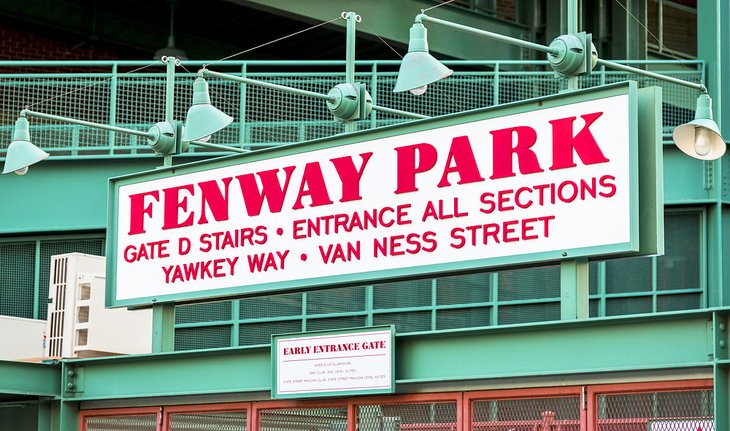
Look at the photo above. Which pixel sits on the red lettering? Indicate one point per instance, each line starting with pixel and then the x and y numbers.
pixel 503 151
pixel 271 190
pixel 508 231
pixel 504 199
pixel 412 160
pixel 314 186
pixel 137 210
pixel 527 227
pixel 607 182
pixel 211 194
pixel 465 165
pixel 173 202
pixel 519 202
pixel 350 176
pixel 583 143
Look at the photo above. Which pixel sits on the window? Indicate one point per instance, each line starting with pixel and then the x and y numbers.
pixel 655 284
pixel 674 26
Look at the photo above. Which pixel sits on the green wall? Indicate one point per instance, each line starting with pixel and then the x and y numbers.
pixel 63 195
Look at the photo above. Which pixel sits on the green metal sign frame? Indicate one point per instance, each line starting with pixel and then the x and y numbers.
pixel 644 184
pixel 328 370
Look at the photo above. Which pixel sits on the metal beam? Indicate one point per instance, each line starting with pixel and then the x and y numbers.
pixel 609 345
pixel 578 347
pixel 171 374
pixel 30 379
pixel 86 188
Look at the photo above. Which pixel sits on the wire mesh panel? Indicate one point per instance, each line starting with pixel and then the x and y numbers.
pixel 656 411
pixel 669 282
pixel 210 312
pixel 202 421
pixel 17 261
pixel 132 422
pixel 433 416
pixel 527 414
pixel 82 96
pixel 259 333
pixel 206 337
pixel 341 300
pixel 303 419
pixel 132 95
pixel 529 295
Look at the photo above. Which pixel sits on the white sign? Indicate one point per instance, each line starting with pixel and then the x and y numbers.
pixel 339 362
pixel 534 186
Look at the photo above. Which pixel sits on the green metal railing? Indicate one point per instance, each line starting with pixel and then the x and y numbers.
pixel 132 95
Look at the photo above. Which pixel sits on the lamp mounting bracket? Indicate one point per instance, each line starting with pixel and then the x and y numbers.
pixel 571 57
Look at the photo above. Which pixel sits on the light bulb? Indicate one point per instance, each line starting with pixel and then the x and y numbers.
pixel 204 138
pixel 419 90
pixel 703 141
pixel 22 171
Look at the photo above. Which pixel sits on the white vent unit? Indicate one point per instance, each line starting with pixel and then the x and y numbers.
pixel 21 339
pixel 78 324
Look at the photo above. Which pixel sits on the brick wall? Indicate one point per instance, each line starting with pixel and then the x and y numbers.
pixel 21 41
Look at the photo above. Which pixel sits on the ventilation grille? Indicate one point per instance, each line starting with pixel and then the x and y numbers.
pixel 56 313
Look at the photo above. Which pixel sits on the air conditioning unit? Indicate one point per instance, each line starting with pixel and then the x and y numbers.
pixel 22 339
pixel 78 324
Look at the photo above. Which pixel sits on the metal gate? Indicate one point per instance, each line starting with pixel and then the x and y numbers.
pixel 656 406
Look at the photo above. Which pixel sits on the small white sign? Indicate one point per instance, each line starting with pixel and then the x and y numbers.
pixel 358 362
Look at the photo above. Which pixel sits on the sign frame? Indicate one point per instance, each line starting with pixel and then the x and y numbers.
pixel 384 332
pixel 645 199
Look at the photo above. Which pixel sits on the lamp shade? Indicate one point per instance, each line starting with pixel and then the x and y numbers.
pixel 203 119
pixel 21 152
pixel 700 138
pixel 419 68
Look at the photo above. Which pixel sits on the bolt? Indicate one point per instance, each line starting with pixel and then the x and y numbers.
pixel 70 385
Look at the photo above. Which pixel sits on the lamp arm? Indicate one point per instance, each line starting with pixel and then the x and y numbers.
pixel 148 135
pixel 546 49
pixel 219 147
pixel 658 76
pixel 29 113
pixel 399 112
pixel 206 72
pixel 484 33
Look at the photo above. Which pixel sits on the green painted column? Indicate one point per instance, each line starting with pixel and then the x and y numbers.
pixel 574 289
pixel 713 17
pixel 573 272
pixel 163 315
pixel 163 328
pixel 713 46
pixel 721 370
pixel 65 416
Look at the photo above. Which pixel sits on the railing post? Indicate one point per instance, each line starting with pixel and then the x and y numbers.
pixel 374 94
pixel 113 108
pixel 495 95
pixel 351 18
pixel 242 128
